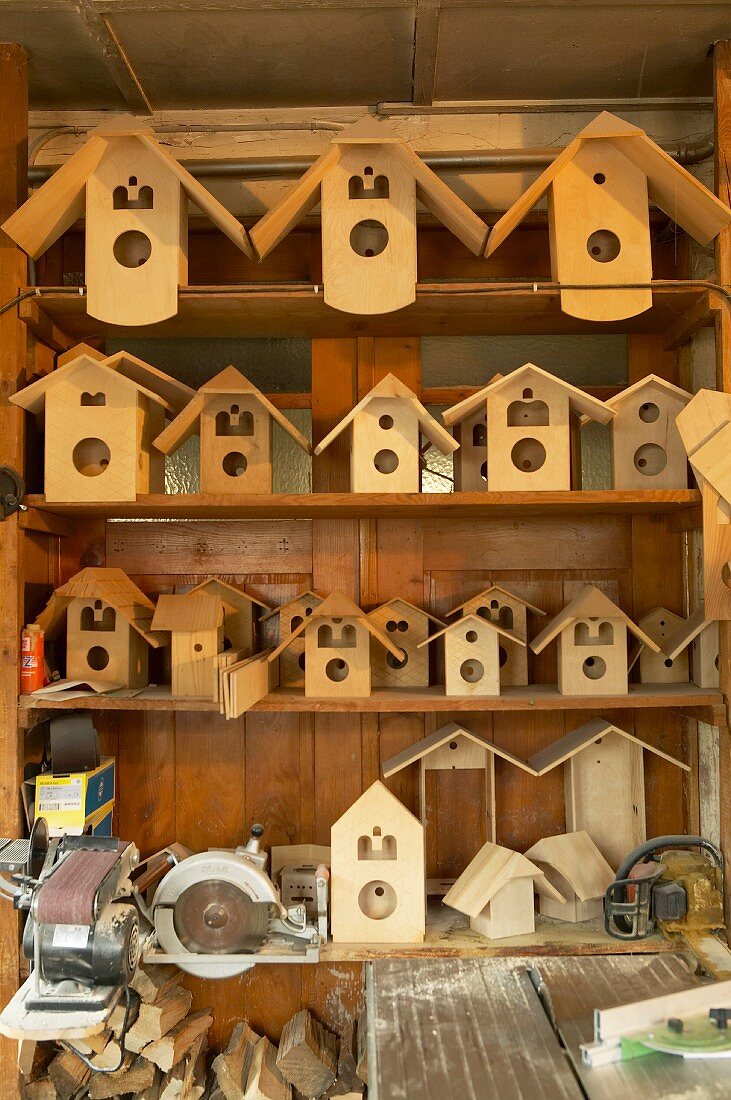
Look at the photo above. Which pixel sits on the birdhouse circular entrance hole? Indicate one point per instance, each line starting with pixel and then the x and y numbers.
pixel 528 455
pixel 132 248
pixel 603 246
pixel 594 668
pixel 234 464
pixel 97 658
pixel 368 238
pixel 648 412
pixel 650 459
pixel 386 461
pixel 337 670
pixel 472 671
pixel 377 899
pixel 91 457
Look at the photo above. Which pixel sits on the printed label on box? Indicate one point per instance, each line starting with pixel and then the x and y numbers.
pixel 70 935
pixel 59 796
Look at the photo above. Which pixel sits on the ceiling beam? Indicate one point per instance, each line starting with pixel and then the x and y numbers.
pixel 426 44
pixel 101 34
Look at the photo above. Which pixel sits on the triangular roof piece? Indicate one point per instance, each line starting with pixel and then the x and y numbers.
pixel 33 397
pixel 492 868
pixel 380 791
pixel 187 613
pixel 580 401
pixel 74 352
pixel 283 606
pixel 575 858
pixel 229 593
pixel 505 592
pixel 339 606
pixel 113 587
pixel 706 414
pixel 412 606
pixel 175 393
pixel 390 386
pixel 579 739
pixel 591 603
pixel 650 381
pixel 284 215
pixel 459 623
pixel 686 632
pixel 435 740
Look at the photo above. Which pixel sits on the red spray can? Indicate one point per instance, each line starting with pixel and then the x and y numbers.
pixel 31 659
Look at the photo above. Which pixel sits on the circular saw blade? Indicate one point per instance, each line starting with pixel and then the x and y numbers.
pixel 215 917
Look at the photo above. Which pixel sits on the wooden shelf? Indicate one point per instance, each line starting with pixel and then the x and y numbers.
pixel 459 307
pixel 379 505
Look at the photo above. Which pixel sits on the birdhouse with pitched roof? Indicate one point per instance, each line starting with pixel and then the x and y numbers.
pixel 195 623
pixel 573 864
pixel 592 644
pixel 531 416
pixel 701 634
pixel 509 611
pixel 100 418
pixel 470 460
pixel 657 668
pixel 647 451
pixel 408 626
pixel 337 649
pixel 289 617
pixel 234 421
pixel 377 872
pixel 135 196
pixel 368 183
pixel 472 655
pixel 108 624
pixel 599 190
pixel 240 612
pixel 386 429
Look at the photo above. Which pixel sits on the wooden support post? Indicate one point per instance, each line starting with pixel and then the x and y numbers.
pixel 13 192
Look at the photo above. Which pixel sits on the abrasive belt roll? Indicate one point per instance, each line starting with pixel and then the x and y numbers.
pixel 67 897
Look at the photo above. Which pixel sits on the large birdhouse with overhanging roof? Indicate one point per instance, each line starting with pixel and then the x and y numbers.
pixel 368 183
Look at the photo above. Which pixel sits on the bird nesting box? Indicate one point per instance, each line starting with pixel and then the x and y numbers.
pixel 386 428
pixel 195 623
pixel 599 190
pixel 472 655
pixel 234 422
pixel 509 611
pixel 408 626
pixel 647 451
pixel 239 614
pixel 470 431
pixel 290 616
pixel 658 668
pixel 573 864
pixel 701 634
pixel 368 183
pixel 135 196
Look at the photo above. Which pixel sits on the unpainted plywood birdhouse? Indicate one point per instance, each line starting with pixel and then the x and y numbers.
pixel 592 644
pixel 195 623
pixel 234 421
pixel 135 196
pixel 408 626
pixel 573 864
pixel 701 634
pixel 647 451
pixel 598 191
pixel 290 616
pixel 496 892
pixel 472 655
pixel 368 183
pixel 604 784
pixel 377 872
pixel 240 612
pixel 100 418
pixel 108 627
pixel 657 668
pixel 510 611
pixel 386 429
pixel 470 459
pixel 337 649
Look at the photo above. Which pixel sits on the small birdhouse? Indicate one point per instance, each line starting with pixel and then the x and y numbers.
pixel 100 417
pixel 290 616
pixel 135 195
pixel 657 668
pixel 195 622
pixel 377 872
pixel 472 655
pixel 647 451
pixel 108 627
pixel 531 416
pixel 573 864
pixel 592 644
pixel 604 784
pixel 386 429
pixel 599 190
pixel 509 611
pixel 470 460
pixel 337 649
pixel 368 182
pixel 239 614
pixel 496 892
pixel 408 626
pixel 233 420
pixel 701 634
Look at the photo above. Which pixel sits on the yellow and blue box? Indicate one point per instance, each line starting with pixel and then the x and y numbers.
pixel 72 803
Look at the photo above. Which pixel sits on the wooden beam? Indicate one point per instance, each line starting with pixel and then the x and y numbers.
pixel 426 44
pixel 100 31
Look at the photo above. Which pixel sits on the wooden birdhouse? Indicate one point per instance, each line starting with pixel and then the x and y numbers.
pixel 505 609
pixel 657 668
pixel 337 649
pixel 573 864
pixel 599 190
pixel 451 749
pixel 135 196
pixel 195 622
pixel 234 421
pixel 377 872
pixel 408 626
pixel 386 429
pixel 470 460
pixel 496 892
pixel 368 182
pixel 290 616
pixel 604 784
pixel 701 634
pixel 108 627
pixel 240 612
pixel 647 451
pixel 531 417
pixel 100 418
pixel 592 645
pixel 472 655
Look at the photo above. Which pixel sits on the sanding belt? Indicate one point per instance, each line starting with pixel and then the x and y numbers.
pixel 68 895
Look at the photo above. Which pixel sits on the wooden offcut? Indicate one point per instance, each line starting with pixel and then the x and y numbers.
pixel 265 1080
pixel 139 1075
pixel 308 1055
pixel 170 1049
pixel 232 1065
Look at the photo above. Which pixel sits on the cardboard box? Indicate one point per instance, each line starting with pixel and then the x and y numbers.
pixel 70 803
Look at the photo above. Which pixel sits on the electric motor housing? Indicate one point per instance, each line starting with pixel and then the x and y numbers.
pixel 103 954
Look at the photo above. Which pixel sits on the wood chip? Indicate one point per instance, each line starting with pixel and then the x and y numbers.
pixel 308 1054
pixel 170 1049
pixel 155 1020
pixel 232 1066
pixel 135 1078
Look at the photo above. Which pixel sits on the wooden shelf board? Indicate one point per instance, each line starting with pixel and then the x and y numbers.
pixel 379 505
pixel 459 307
